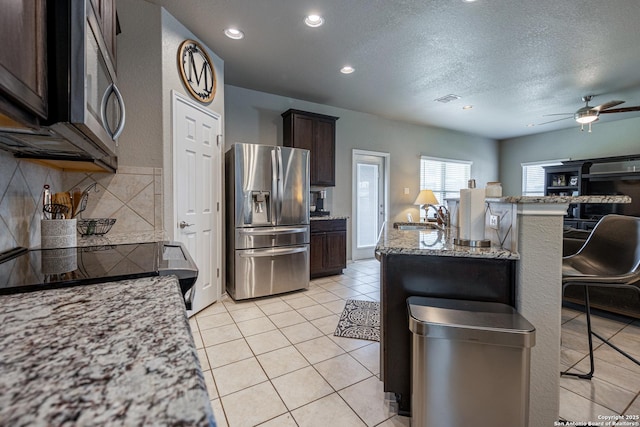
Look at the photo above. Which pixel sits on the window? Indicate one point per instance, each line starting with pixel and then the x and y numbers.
pixel 445 177
pixel 533 177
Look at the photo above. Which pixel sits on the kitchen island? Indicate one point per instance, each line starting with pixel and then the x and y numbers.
pixel 530 227
pixel 118 353
pixel 425 262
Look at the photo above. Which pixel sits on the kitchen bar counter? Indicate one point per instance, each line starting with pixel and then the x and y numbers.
pixel 434 242
pixel 425 262
pixel 118 353
pixel 560 199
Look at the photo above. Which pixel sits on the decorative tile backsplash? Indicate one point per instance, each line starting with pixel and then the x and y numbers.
pixel 21 185
pixel 133 196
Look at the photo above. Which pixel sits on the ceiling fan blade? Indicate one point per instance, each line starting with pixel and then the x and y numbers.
pixel 607 105
pixel 622 110
pixel 558 114
pixel 552 121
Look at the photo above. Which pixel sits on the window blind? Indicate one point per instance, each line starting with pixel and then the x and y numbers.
pixel 445 177
pixel 533 177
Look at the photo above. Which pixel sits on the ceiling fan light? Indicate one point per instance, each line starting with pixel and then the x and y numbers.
pixel 584 116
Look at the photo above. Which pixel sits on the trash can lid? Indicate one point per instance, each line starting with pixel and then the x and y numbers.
pixel 477 321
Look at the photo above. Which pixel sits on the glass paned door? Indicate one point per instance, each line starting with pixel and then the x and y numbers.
pixel 369 203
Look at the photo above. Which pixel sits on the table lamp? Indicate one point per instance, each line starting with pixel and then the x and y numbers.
pixel 425 199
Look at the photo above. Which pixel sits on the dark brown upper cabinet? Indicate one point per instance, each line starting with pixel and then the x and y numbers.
pixel 316 133
pixel 23 63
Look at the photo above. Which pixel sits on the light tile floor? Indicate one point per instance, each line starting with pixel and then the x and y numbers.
pixel 615 387
pixel 275 362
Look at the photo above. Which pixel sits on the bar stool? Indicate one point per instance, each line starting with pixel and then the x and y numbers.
pixel 610 258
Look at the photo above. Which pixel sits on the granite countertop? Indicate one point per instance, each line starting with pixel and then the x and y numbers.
pixel 118 353
pixel 117 239
pixel 325 218
pixel 559 199
pixel 433 242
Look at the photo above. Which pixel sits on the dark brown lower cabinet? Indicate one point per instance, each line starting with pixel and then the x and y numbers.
pixel 328 247
pixel 403 276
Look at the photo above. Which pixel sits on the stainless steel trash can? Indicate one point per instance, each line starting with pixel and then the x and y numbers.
pixel 470 363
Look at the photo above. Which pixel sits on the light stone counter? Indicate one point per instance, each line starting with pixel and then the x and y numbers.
pixel 560 199
pixel 118 353
pixel 117 239
pixel 434 242
pixel 325 218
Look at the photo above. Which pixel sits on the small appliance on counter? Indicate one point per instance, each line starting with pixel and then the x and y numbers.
pixel 317 199
pixel 23 270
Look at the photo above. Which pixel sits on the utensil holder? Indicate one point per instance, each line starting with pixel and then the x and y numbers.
pixel 58 233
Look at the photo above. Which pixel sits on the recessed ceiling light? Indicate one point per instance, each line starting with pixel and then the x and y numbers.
pixel 447 98
pixel 347 69
pixel 233 33
pixel 467 107
pixel 468 1
pixel 530 125
pixel 314 20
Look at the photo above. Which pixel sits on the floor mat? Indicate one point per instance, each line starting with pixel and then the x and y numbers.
pixel 360 319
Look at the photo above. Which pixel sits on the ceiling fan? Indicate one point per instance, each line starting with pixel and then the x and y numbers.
pixel 588 114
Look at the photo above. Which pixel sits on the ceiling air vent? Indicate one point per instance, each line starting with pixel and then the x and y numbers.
pixel 447 98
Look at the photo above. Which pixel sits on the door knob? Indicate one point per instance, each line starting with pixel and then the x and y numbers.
pixel 184 224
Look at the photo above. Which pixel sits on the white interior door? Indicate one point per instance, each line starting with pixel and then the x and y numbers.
pixel 197 191
pixel 369 201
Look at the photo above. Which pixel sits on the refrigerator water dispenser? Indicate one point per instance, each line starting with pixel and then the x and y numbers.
pixel 260 208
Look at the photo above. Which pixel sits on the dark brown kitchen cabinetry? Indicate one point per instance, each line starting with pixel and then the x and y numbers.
pixel 405 275
pixel 23 63
pixel 316 133
pixel 328 248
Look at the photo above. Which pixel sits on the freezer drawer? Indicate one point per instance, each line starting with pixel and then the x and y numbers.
pixel 262 272
pixel 265 237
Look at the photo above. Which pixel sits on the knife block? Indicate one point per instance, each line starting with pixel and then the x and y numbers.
pixel 58 233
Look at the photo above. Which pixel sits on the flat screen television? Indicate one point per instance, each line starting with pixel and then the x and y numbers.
pixel 629 187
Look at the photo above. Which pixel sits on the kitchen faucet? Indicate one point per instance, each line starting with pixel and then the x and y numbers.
pixel 443 218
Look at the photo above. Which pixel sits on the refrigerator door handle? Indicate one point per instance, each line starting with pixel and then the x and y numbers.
pixel 275 188
pixel 258 253
pixel 277 230
pixel 280 188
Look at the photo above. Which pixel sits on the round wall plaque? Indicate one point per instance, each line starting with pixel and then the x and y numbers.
pixel 196 70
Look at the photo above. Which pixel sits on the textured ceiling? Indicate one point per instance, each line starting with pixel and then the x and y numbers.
pixel 514 60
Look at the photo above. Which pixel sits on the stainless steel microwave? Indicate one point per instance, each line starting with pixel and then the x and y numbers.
pixel 86 110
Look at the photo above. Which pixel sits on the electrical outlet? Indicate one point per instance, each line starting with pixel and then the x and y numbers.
pixel 406 190
pixel 494 221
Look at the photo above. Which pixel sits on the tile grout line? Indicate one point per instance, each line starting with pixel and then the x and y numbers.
pixel 255 356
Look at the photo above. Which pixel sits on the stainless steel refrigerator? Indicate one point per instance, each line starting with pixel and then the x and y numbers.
pixel 267 220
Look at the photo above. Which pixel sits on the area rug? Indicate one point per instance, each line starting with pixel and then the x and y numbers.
pixel 359 319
